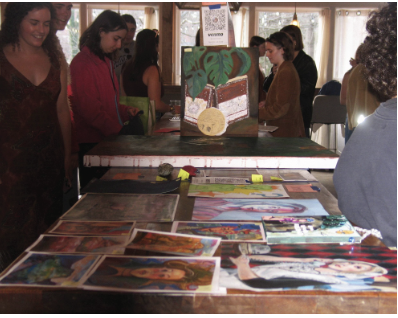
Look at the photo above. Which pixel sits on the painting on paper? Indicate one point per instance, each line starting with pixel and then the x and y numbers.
pixel 160 275
pixel 237 231
pixel 247 191
pixel 212 209
pixel 124 207
pixel 172 243
pixel 219 91
pixel 79 244
pixel 50 270
pixel 93 228
pixel 335 268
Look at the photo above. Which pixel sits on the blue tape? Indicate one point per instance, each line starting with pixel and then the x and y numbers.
pixel 215 6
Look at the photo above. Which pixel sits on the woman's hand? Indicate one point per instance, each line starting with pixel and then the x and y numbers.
pixel 353 62
pixel 133 111
pixel 241 260
pixel 261 104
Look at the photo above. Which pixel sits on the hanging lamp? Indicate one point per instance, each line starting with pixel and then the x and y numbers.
pixel 295 21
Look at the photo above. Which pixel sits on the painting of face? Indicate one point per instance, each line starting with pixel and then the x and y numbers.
pixel 63 12
pixel 35 27
pixel 159 273
pixel 274 54
pixel 350 267
pixel 112 41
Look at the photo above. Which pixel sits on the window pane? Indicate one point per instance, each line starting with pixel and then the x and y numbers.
pixel 271 22
pixel 69 38
pixel 190 24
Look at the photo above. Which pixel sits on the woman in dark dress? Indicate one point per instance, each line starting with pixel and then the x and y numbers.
pixel 34 127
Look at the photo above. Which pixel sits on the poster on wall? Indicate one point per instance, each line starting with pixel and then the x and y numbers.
pixel 219 91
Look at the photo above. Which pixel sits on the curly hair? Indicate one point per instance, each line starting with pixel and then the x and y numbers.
pixel 380 51
pixel 145 55
pixel 14 14
pixel 107 21
pixel 284 41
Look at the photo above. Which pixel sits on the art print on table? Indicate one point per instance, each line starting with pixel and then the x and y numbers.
pixel 336 268
pixel 79 244
pixel 124 207
pixel 160 274
pixel 250 232
pixel 50 270
pixel 248 191
pixel 93 228
pixel 206 209
pixel 172 243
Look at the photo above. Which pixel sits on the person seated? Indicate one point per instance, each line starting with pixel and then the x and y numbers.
pixel 366 174
pixel 141 75
pixel 361 100
pixel 282 106
pixel 127 50
pixel 258 41
pixel 307 72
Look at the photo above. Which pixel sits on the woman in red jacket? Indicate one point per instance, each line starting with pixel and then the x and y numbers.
pixel 95 89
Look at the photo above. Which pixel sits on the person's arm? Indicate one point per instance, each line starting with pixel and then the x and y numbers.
pixel 152 80
pixel 343 92
pixel 64 120
pixel 244 270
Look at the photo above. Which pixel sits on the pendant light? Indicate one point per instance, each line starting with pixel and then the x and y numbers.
pixel 295 21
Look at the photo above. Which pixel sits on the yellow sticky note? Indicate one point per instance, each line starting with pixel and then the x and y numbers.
pixel 183 175
pixel 257 178
pixel 276 179
pixel 158 178
pixel 188 50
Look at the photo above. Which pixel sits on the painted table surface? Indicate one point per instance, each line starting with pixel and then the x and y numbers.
pixel 211 152
pixel 59 300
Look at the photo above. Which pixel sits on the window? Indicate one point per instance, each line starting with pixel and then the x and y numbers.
pixel 272 21
pixel 69 38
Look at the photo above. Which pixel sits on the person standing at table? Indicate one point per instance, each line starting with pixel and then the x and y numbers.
pixel 258 41
pixel 366 174
pixel 127 50
pixel 141 75
pixel 307 72
pixel 34 127
pixel 95 88
pixel 282 106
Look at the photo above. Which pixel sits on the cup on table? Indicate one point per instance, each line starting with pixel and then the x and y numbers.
pixel 177 106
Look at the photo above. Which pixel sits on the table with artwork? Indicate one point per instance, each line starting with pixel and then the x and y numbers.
pixel 189 250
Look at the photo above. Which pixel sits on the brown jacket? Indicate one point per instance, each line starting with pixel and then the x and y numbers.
pixel 282 106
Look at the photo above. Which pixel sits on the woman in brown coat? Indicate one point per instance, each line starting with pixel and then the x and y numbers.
pixel 282 106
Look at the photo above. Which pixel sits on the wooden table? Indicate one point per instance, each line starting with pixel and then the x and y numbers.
pixel 210 152
pixel 62 300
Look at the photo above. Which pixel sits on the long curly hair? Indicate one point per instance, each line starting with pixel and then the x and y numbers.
pixel 107 21
pixel 14 14
pixel 282 40
pixel 145 55
pixel 380 51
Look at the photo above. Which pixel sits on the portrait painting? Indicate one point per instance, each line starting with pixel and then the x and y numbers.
pixel 237 231
pixel 212 209
pixel 172 243
pixel 154 274
pixel 79 244
pixel 49 270
pixel 93 228
pixel 124 207
pixel 233 191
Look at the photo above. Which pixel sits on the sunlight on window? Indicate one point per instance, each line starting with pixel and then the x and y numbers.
pixel 69 38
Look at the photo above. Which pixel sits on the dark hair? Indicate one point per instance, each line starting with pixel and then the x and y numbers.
pixel 128 18
pixel 14 14
pixel 282 40
pixel 380 51
pixel 145 55
pixel 295 33
pixel 107 21
pixel 256 41
pixel 197 38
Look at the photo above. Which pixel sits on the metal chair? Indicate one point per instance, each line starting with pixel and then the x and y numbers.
pixel 328 110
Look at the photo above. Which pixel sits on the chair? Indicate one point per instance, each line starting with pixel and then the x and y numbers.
pixel 328 110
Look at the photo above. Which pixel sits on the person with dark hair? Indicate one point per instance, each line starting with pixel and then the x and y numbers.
pixel 127 50
pixel 282 106
pixel 141 75
pixel 34 127
pixel 307 72
pixel 95 88
pixel 258 41
pixel 366 174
